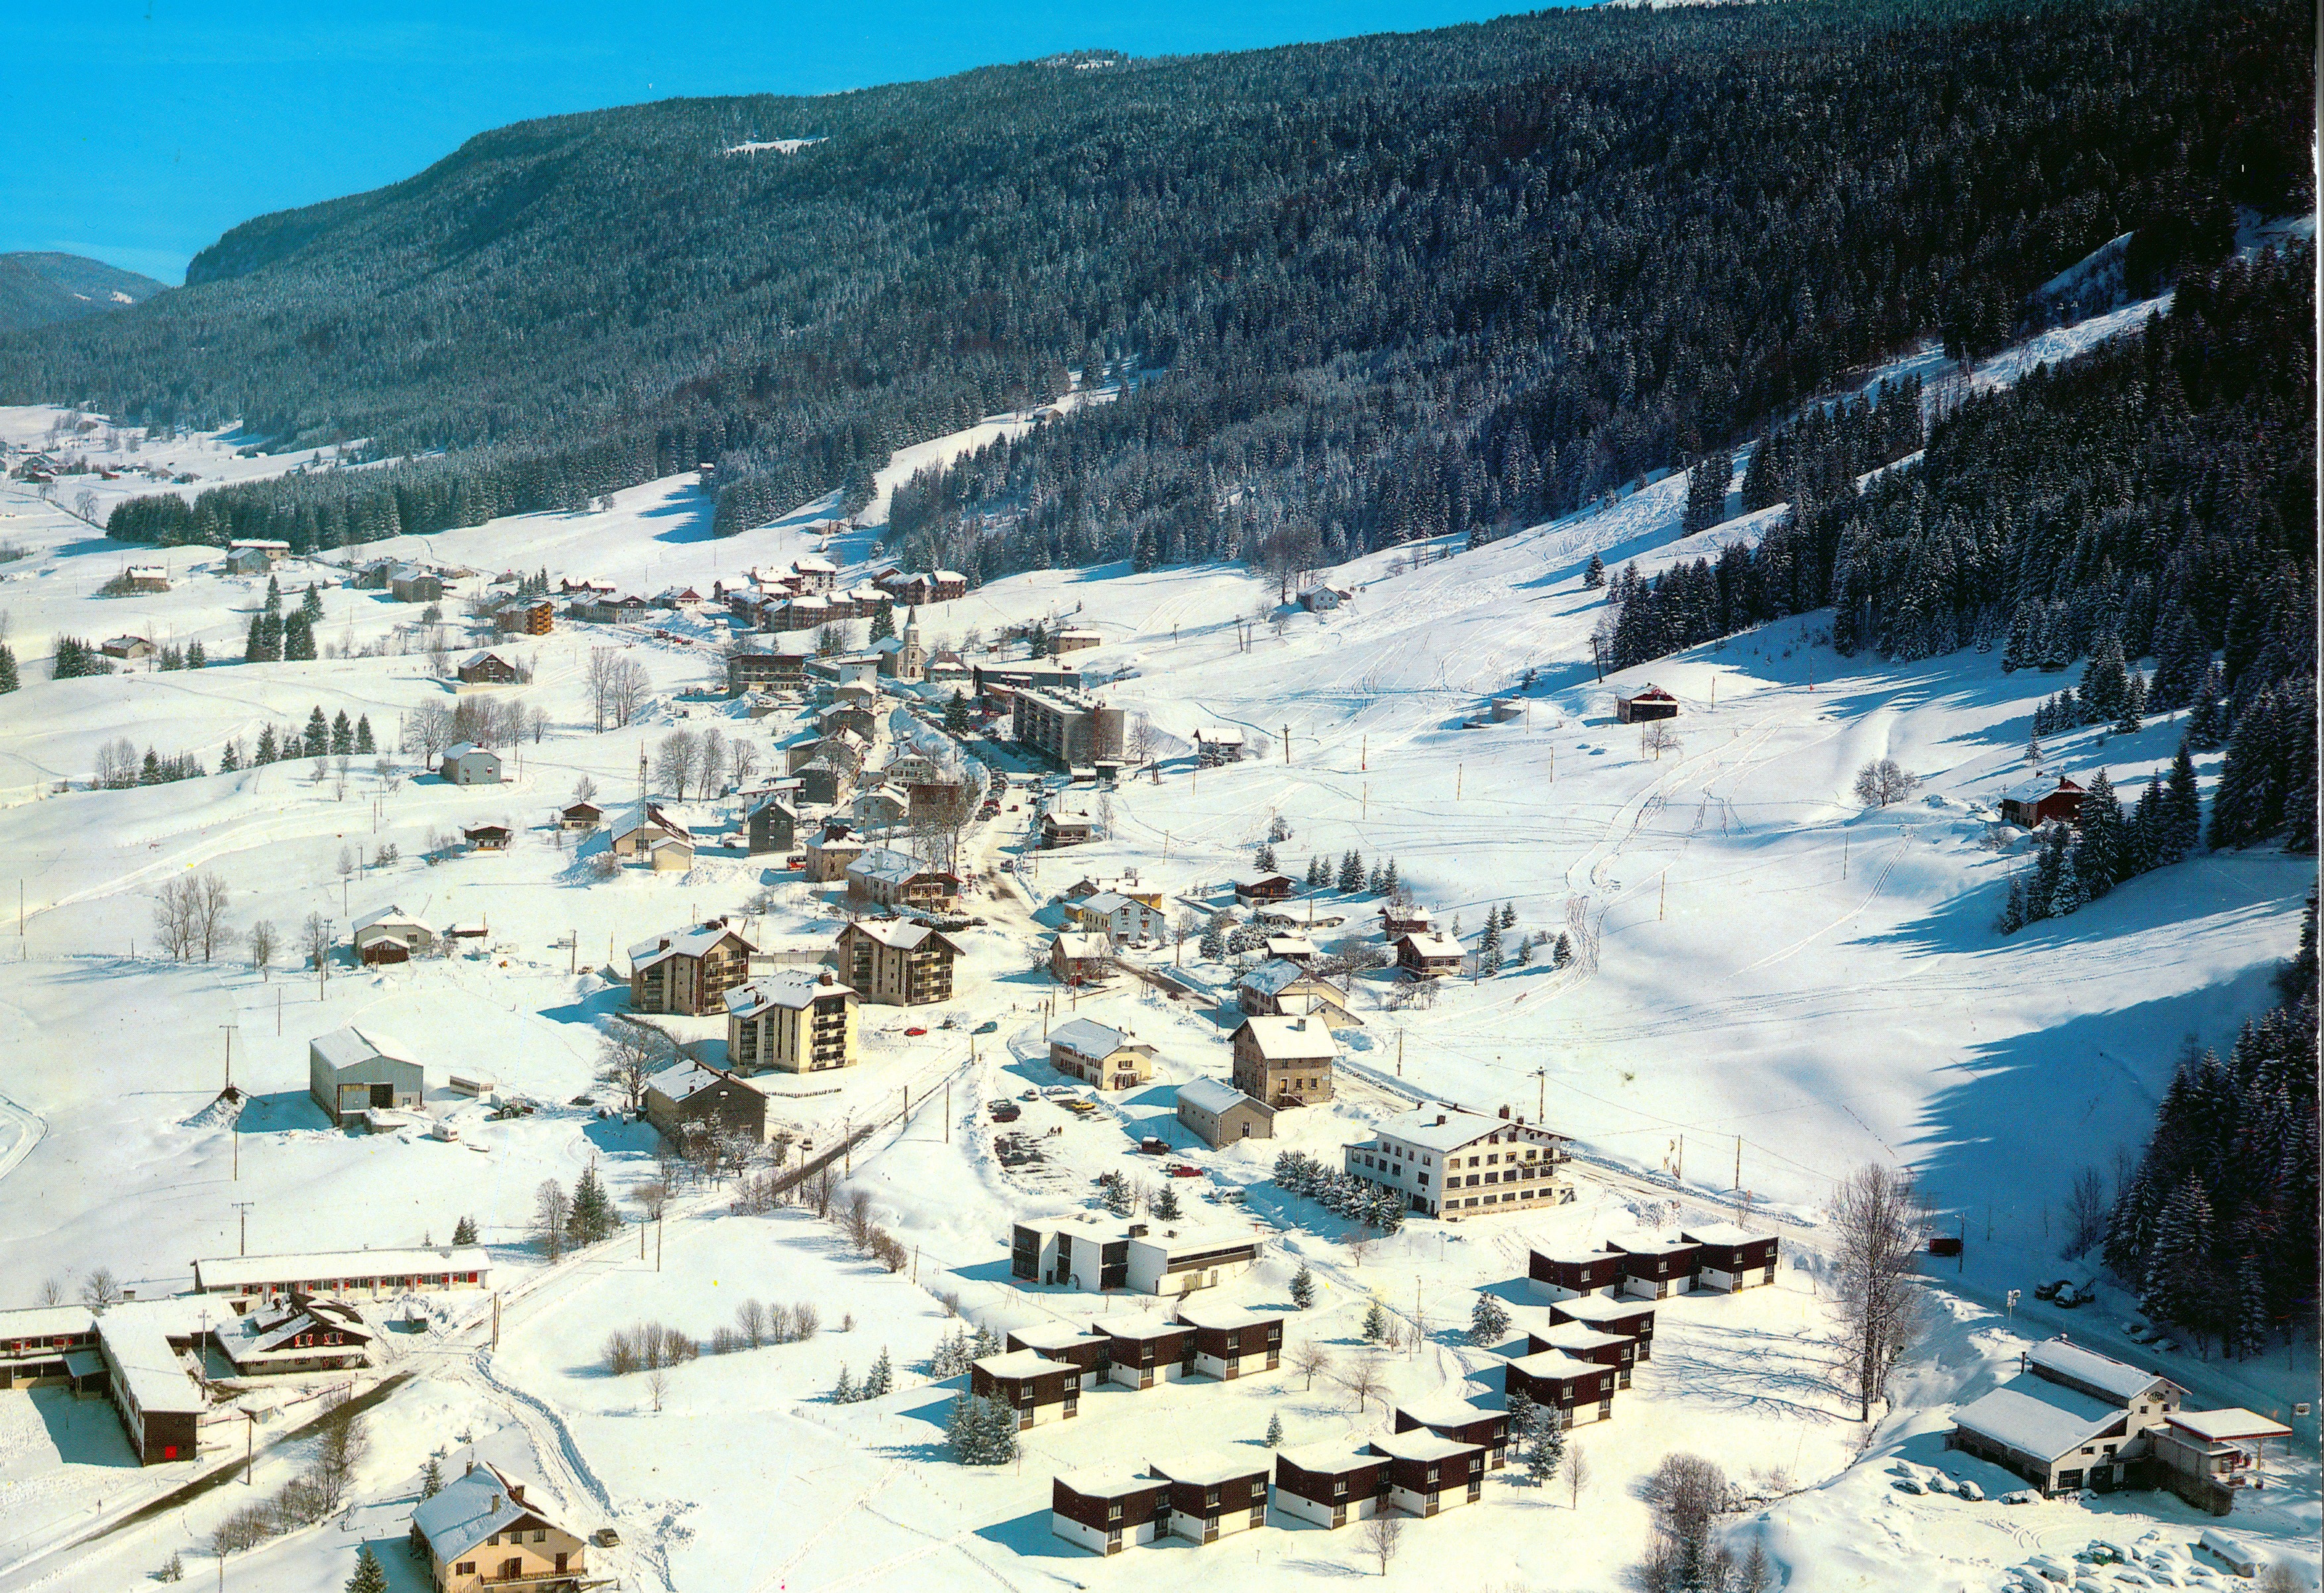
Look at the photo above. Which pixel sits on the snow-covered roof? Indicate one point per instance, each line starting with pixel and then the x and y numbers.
pixel 1223 1319
pixel 1219 735
pixel 2033 787
pixel 262 1333
pixel 1605 1308
pixel 45 1322
pixel 389 914
pixel 900 933
pixel 790 988
pixel 1458 1128
pixel 1087 1037
pixel 2064 1358
pixel 1578 1255
pixel 1290 946
pixel 1431 943
pixel 1021 1363
pixel 1105 1482
pixel 2037 1417
pixel 1576 1336
pixel 1214 1095
pixel 1272 978
pixel 2221 1427
pixel 686 943
pixel 1553 1363
pixel 157 1379
pixel 1331 1458
pixel 325 1266
pixel 349 1047
pixel 1049 1336
pixel 467 747
pixel 466 1511
pixel 1649 1244
pixel 1107 903
pixel 1146 1325
pixel 1418 1443
pixel 1209 1468
pixel 685 1080
pixel 1444 1409
pixel 1725 1234
pixel 1291 1040
pixel 474 658
pixel 1079 943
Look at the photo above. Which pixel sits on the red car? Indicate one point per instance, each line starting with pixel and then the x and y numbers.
pixel 914 1034
pixel 1180 1170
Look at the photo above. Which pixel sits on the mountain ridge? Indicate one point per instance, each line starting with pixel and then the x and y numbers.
pixel 41 287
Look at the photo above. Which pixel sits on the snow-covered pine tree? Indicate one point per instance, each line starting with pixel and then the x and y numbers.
pixel 2132 720
pixel 1351 871
pixel 881 1379
pixel 1546 1453
pixel 2098 851
pixel 1593 574
pixel 1262 857
pixel 1274 1431
pixel 1372 878
pixel 1303 1288
pixel 2207 720
pixel 2180 829
pixel 2179 1285
pixel 1165 1204
pixel 1489 948
pixel 2070 894
pixel 254 651
pixel 1389 884
pixel 1114 1189
pixel 592 1217
pixel 1562 954
pixel 1489 1319
pixel 343 734
pixel 317 739
pixel 2012 917
pixel 8 680
pixel 464 1232
pixel 843 1390
pixel 363 742
pixel 311 605
pixel 1319 873
pixel 371 1577
pixel 229 758
pixel 431 1478
pixel 1375 1322
pixel 1213 946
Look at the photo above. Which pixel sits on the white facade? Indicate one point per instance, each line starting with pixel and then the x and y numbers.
pixel 1094 1540
pixel 1456 1164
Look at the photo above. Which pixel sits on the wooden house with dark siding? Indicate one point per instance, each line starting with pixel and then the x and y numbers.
pixel 1030 1384
pixel 1457 1419
pixel 1141 1351
pixel 694 1096
pixel 1330 1484
pixel 1230 1342
pixel 1611 1313
pixel 1653 703
pixel 688 970
pixel 1561 1275
pixel 1062 1341
pixel 1580 1391
pixel 1586 1343
pixel 1427 1474
pixel 1733 1257
pixel 1103 1509
pixel 1657 1268
pixel 772 826
pixel 1214 1494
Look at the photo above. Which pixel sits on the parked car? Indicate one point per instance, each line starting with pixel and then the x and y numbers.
pixel 915 1032
pixel 986 1027
pixel 1154 1147
pixel 1005 1111
pixel 2049 1290
pixel 1180 1170
pixel 1029 1094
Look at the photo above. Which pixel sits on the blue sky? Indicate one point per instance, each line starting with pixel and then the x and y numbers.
pixel 137 132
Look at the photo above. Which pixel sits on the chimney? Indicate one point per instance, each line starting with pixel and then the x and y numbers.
pixel 495 1504
pixel 1440 1119
pixel 1505 1113
pixel 516 1492
pixel 1136 1231
pixel 471 1469
pixel 827 977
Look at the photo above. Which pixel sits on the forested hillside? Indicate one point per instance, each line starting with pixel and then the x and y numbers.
pixel 1393 287
pixel 38 289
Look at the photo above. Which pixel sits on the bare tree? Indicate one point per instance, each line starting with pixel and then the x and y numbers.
pixel 101 1290
pixel 1878 1225
pixel 210 898
pixel 629 1053
pixel 600 683
pixel 750 1318
pixel 552 1211
pixel 1362 1380
pixel 818 1188
pixel 316 937
pixel 713 761
pixel 340 1449
pixel 1656 739
pixel 52 1292
pixel 2087 1209
pixel 743 760
pixel 1883 782
pixel 265 942
pixel 652 1198
pixel 629 690
pixel 658 1384
pixel 1577 1476
pixel 347 861
pixel 1183 928
pixel 857 1219
pixel 675 763
pixel 1312 1361
pixel 428 732
pixel 1688 1494
pixel 1383 1536
pixel 173 918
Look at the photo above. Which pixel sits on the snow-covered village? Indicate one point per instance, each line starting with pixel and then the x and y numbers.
pixel 644 1026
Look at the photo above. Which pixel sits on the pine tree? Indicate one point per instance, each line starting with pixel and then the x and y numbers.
pixel 464 1232
pixel 1214 939
pixel 2178 1279
pixel 592 1217
pixel 254 650
pixel 883 622
pixel 2070 894
pixel 8 681
pixel 1351 872
pixel 1546 1453
pixel 197 657
pixel 298 638
pixel 229 758
pixel 1375 1322
pixel 1389 884
pixel 879 1379
pixel 1488 947
pixel 1274 1440
pixel 2207 721
pixel 842 1393
pixel 363 742
pixel 342 735
pixel 2181 827
pixel 1319 873
pixel 2099 852
pixel 956 714
pixel 371 1577
pixel 317 739
pixel 1114 1189
pixel 1508 915
pixel 2012 917
pixel 311 605
pixel 1593 574
pixel 2103 685
pixel 150 772
pixel 2132 720
pixel 431 1479
pixel 1489 1319
pixel 1165 1204
pixel 267 751
pixel 1262 858
pixel 273 596
pixel 1562 954
pixel 1303 1288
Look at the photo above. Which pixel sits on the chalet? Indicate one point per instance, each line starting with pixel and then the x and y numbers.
pixel 1220 1115
pixel 486 668
pixel 1654 1267
pixel 1124 918
pixel 670 856
pixel 1562 1274
pixel 685 597
pixel 1653 703
pixel 351 1071
pixel 1104 1057
pixel 2041 800
pixel 133 648
pixel 1586 1343
pixel 372 1274
pixel 1079 959
pixel 580 816
pixel 609 610
pixel 300 1334
pixel 1214 1494
pixel 793 1021
pixel 1265 887
pixel 772 825
pixel 691 1097
pixel 1454 1164
pixel 1331 1484
pixel 488 837
pixel 1286 989
pixel 898 880
pixel 1126 883
pixel 829 856
pixel 824 782
pixel 1065 642
pixel 1409 918
pixel 1142 1350
pixel 469 764
pixel 1065 827
pixel 1086 1251
pixel 1284 1061
pixel 1427 956
pixel 255 555
pixel 780 669
pixel 1030 1384
pixel 530 617
pixel 1218 744
pixel 1323 599
pixel 145 578
pixel 389 934
pixel 881 808
pixel 895 963
pixel 689 970
pixel 1611 1314
pixel 1231 1342
pixel 1460 1421
pixel 1732 1258
pixel 477 1532
pixel 1291 948
pixel 815 574
pixel 2071 1419
pixel 1100 1509
pixel 1062 1341
pixel 1579 1390
pixel 852 719
pixel 1428 1473
pixel 654 824
pixel 410 583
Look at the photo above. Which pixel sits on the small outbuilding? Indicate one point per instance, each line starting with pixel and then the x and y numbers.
pixel 352 1070
pixel 1219 1114
pixel 1653 703
pixel 469 764
pixel 2042 800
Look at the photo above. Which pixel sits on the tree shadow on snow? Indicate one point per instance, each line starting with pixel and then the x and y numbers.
pixel 1745 1369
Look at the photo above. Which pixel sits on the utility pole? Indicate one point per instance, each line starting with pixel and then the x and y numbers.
pixel 278 1009
pixel 1399 1054
pixel 1286 743
pixel 1663 899
pixel 241 1246
pixel 1460 774
pixel 1364 755
pixel 972 1057
pixel 1738 1164
pixel 1541 1097
pixel 497 1319
pixel 657 1228
pixel 229 1053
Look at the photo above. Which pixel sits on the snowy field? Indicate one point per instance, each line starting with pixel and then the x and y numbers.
pixel 1776 986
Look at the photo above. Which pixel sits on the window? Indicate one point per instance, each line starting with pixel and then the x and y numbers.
pixel 541 1535
pixel 467 1567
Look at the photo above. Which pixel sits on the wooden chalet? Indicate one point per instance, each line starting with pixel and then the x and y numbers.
pixel 1428 1473
pixel 653 826
pixel 1611 1314
pixel 1579 1390
pixel 1586 1343
pixel 580 816
pixel 1214 1494
pixel 1657 1268
pixel 1265 887
pixel 477 1532
pixel 1429 956
pixel 1062 1341
pixel 2041 800
pixel 688 971
pixel 1231 1342
pixel 1331 1484
pixel 1029 1382
pixel 1102 1057
pixel 1561 1275
pixel 691 1097
pixel 488 837
pixel 300 1334
pixel 486 668
pixel 1103 1509
pixel 1078 957
pixel 1456 1419
pixel 1732 1258
pixel 1653 703
pixel 1412 919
